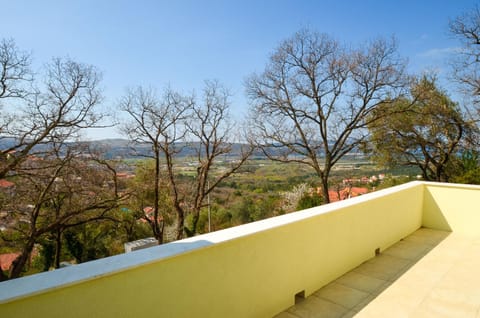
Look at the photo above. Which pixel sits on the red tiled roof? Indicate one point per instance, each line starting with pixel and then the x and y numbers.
pixel 346 193
pixel 6 184
pixel 6 260
pixel 125 175
pixel 149 211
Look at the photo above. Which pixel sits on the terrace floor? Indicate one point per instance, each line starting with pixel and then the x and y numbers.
pixel 430 273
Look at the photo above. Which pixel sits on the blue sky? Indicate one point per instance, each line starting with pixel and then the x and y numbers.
pixel 182 43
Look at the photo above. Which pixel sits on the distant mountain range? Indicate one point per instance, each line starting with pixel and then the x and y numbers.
pixel 123 149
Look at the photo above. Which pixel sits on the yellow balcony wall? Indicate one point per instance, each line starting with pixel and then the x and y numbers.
pixel 253 270
pixel 452 207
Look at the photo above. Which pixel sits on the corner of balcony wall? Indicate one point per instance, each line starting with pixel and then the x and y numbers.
pixel 451 207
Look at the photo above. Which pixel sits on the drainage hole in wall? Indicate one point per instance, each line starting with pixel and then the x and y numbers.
pixel 299 297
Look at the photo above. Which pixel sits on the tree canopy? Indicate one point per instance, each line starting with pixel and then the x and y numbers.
pixel 425 129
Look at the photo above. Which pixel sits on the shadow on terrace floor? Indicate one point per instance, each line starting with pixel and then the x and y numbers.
pixel 347 295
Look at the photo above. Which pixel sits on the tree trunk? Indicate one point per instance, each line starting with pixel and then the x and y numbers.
pixel 424 169
pixel 2 275
pixel 160 232
pixel 19 263
pixel 58 247
pixel 180 223
pixel 326 196
pixel 158 229
pixel 196 217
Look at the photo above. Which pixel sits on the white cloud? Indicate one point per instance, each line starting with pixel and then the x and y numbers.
pixel 439 53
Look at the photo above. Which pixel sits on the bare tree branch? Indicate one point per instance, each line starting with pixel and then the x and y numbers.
pixel 55 114
pixel 311 103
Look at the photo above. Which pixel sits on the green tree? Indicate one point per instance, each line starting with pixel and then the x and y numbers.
pixel 93 240
pixel 468 169
pixel 309 201
pixel 144 191
pixel 244 210
pixel 425 129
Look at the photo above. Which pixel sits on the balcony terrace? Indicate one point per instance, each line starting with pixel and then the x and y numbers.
pixel 408 251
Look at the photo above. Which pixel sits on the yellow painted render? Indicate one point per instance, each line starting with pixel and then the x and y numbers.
pixel 251 276
pixel 452 207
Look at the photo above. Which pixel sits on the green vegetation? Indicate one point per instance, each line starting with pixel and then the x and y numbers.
pixel 325 120
pixel 425 129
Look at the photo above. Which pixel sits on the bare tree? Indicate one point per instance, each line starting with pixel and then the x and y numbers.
pixel 15 73
pixel 466 66
pixel 175 123
pixel 212 134
pixel 160 124
pixel 35 114
pixel 54 193
pixel 311 103
pixel 40 115
pixel 15 76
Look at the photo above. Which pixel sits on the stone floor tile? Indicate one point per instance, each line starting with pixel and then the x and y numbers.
pixel 342 295
pixel 350 314
pixel 427 236
pixel 361 282
pixel 383 266
pixel 364 302
pixel 285 314
pixel 408 250
pixel 314 307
